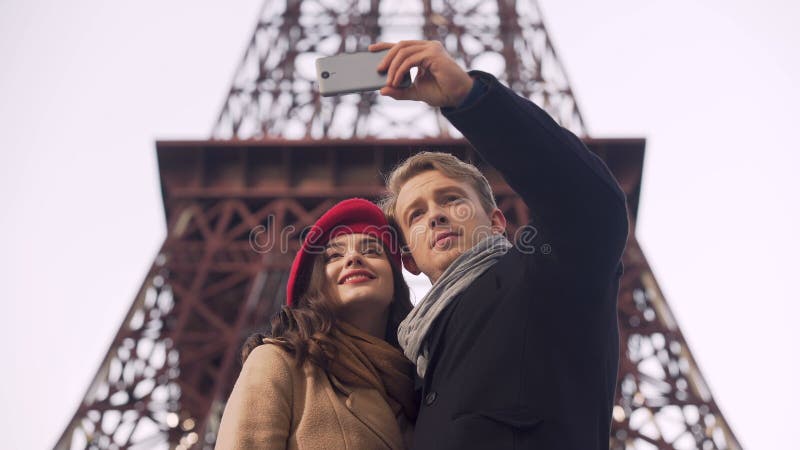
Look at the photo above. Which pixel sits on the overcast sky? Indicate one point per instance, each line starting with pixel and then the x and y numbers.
pixel 86 87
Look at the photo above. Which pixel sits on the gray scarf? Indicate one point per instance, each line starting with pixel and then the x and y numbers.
pixel 413 331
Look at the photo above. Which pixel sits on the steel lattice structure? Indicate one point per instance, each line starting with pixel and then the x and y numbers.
pixel 236 208
pixel 273 94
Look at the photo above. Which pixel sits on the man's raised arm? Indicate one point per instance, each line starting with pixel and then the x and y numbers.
pixel 567 187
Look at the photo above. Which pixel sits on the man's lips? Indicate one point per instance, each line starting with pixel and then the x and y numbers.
pixel 442 236
pixel 356 276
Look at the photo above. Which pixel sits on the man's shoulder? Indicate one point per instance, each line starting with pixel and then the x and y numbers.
pixel 526 256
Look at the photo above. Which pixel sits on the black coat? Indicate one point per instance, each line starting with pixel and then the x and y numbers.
pixel 527 356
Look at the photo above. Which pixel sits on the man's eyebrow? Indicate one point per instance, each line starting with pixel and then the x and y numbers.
pixel 410 207
pixel 437 191
pixel 446 189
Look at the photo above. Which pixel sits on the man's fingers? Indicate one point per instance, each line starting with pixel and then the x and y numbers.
pixel 384 65
pixel 415 60
pixel 400 94
pixel 377 47
pixel 400 56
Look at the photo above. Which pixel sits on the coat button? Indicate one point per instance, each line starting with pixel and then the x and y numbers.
pixel 430 398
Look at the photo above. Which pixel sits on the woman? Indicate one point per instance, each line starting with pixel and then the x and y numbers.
pixel 331 375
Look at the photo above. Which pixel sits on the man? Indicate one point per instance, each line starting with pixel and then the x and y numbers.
pixel 516 347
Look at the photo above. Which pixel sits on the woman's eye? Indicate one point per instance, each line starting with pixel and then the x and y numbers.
pixel 371 251
pixel 332 256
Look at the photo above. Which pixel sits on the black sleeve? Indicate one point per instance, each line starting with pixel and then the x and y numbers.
pixel 571 193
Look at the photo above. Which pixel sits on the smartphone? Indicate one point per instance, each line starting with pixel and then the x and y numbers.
pixel 346 73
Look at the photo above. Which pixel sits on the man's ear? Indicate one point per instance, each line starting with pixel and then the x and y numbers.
pixel 410 264
pixel 498 220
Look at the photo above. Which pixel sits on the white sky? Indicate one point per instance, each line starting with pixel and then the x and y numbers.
pixel 86 87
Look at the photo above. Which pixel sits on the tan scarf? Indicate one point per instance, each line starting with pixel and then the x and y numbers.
pixel 363 360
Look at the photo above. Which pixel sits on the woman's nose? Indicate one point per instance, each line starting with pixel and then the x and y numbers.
pixel 354 259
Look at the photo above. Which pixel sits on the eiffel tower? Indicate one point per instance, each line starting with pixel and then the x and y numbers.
pixel 280 155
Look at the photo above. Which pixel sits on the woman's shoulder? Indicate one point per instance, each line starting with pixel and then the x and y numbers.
pixel 269 359
pixel 273 368
pixel 270 349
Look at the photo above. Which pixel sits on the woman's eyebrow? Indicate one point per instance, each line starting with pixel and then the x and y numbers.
pixel 369 240
pixel 366 240
pixel 333 244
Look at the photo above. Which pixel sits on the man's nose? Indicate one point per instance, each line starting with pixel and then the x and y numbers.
pixel 438 219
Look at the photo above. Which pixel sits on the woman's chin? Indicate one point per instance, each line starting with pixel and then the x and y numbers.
pixel 363 297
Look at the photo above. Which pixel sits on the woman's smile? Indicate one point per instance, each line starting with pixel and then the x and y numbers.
pixel 356 276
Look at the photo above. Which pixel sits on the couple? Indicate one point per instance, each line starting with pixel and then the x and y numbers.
pixel 512 348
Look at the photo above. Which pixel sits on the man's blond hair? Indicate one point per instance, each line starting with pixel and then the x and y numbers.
pixel 448 165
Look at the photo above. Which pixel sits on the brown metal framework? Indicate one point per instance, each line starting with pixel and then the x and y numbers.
pixel 236 209
pixel 273 93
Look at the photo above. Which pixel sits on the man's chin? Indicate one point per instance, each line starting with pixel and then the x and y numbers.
pixel 446 257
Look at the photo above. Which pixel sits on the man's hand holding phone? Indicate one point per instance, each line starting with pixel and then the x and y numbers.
pixel 440 81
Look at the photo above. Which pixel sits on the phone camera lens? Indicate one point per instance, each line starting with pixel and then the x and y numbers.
pixel 325 74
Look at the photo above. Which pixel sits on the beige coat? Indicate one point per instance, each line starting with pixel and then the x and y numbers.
pixel 276 405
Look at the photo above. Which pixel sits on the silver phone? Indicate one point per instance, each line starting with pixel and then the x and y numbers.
pixel 346 73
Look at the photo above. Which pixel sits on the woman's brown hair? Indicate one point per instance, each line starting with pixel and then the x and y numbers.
pixel 304 329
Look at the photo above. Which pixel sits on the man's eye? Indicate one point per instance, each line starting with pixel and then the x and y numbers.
pixel 415 215
pixel 452 198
